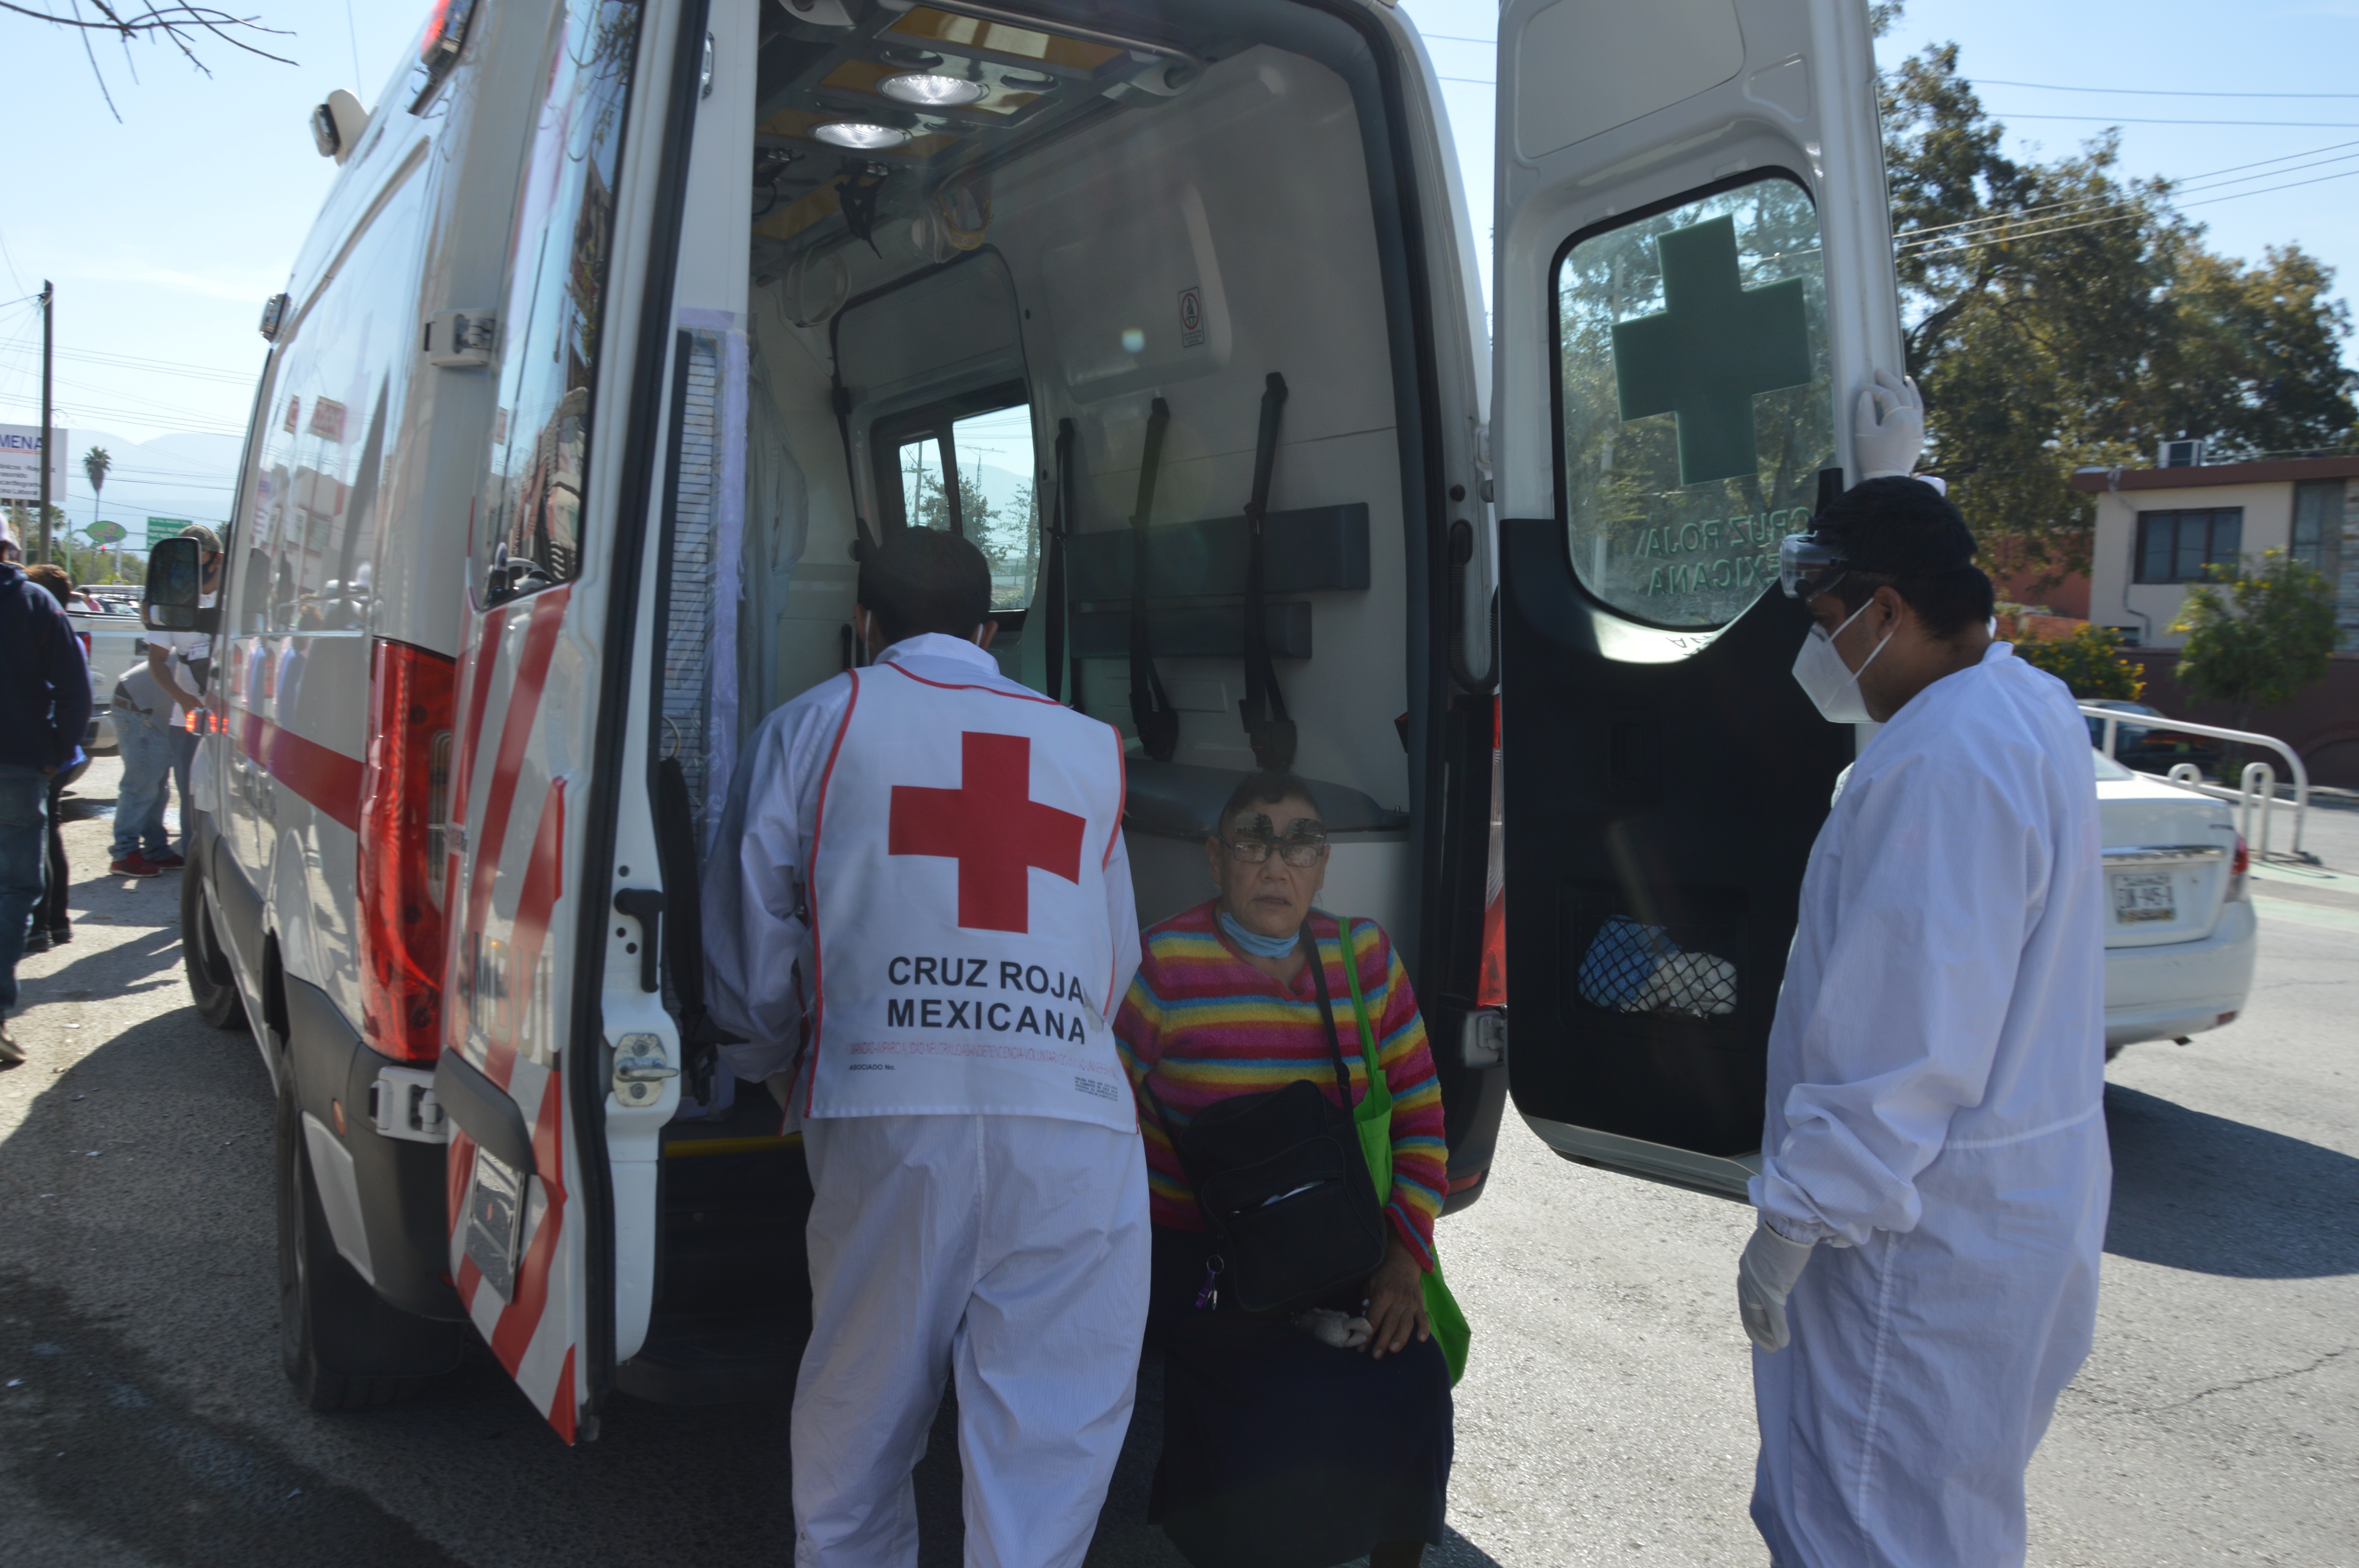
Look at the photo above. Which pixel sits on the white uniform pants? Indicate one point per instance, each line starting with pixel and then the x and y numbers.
pixel 1010 1251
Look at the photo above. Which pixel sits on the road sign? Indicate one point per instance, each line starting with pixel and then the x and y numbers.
pixel 103 533
pixel 162 528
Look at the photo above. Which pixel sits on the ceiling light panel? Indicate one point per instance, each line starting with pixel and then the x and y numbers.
pixel 931 90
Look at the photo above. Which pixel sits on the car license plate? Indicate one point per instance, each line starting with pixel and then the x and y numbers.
pixel 2141 896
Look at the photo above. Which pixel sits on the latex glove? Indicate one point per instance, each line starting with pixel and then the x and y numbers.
pixel 1888 433
pixel 1765 1278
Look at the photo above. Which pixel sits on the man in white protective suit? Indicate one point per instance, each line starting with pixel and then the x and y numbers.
pixel 1934 1170
pixel 931 855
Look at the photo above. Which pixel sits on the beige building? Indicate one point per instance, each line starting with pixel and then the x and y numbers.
pixel 2158 529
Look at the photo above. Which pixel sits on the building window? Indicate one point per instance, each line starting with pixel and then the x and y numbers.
pixel 2317 525
pixel 2176 547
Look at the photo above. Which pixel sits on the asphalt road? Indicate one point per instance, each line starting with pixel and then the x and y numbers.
pixel 1606 1417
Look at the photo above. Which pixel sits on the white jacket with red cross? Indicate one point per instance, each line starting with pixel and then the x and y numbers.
pixel 919 888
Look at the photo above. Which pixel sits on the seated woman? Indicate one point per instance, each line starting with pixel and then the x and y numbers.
pixel 1281 1450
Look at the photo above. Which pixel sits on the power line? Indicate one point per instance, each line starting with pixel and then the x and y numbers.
pixel 2152 92
pixel 2131 120
pixel 1972 242
pixel 164 367
pixel 2177 188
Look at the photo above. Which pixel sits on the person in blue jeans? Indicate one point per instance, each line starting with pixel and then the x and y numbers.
pixel 143 732
pixel 44 706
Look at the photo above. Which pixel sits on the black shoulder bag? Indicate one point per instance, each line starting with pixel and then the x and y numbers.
pixel 1281 1184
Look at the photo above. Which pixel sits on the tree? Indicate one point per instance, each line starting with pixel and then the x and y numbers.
pixel 2088 662
pixel 183 25
pixel 2061 314
pixel 2257 636
pixel 95 462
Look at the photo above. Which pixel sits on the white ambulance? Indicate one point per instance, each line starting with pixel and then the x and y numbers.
pixel 627 316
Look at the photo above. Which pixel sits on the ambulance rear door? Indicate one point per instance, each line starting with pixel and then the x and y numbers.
pixel 559 1064
pixel 1694 279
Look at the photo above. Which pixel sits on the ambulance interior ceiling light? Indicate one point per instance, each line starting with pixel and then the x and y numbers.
pixel 931 90
pixel 862 135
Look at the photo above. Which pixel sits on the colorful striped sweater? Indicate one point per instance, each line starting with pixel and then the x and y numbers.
pixel 1210 1025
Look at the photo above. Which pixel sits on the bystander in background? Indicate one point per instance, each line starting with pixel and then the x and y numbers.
pixel 51 925
pixel 143 738
pixel 43 705
pixel 182 662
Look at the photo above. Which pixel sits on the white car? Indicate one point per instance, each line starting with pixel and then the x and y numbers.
pixel 2179 925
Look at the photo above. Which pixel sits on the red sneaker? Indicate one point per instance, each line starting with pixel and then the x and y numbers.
pixel 134 864
pixel 167 862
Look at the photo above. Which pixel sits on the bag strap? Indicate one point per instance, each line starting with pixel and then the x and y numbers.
pixel 1327 1011
pixel 1151 712
pixel 1359 1003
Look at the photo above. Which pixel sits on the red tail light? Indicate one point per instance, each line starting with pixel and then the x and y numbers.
pixel 2244 861
pixel 1491 988
pixel 404 801
pixel 85 646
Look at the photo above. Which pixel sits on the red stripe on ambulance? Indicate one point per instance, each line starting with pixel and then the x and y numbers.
pixel 543 881
pixel 515 732
pixel 521 1316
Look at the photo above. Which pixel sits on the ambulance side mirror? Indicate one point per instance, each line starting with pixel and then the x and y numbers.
pixel 173 599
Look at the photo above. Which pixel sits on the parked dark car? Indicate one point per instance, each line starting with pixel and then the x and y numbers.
pixel 2152 749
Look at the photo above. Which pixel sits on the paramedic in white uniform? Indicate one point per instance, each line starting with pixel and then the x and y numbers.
pixel 931 855
pixel 1934 1174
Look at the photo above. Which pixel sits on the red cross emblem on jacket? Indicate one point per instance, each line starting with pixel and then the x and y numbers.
pixel 993 827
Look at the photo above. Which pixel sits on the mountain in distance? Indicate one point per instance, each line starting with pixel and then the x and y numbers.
pixel 189 476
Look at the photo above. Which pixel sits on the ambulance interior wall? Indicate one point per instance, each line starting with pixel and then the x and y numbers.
pixel 1250 189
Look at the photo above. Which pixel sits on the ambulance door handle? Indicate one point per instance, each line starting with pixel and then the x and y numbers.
pixel 646 907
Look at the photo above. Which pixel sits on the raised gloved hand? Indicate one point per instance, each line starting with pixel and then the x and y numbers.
pixel 1888 433
pixel 1765 1278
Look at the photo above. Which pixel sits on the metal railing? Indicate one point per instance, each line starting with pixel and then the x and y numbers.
pixel 2258 783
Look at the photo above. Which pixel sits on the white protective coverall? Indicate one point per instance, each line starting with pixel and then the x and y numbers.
pixel 1935 1121
pixel 932 855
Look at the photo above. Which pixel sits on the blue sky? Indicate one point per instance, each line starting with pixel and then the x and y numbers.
pixel 164 233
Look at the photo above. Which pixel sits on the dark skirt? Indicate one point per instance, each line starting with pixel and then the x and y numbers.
pixel 1283 1451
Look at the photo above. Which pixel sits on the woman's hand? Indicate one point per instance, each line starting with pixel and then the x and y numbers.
pixel 1396 1301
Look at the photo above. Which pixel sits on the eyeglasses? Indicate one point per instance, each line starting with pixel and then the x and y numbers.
pixel 1301 853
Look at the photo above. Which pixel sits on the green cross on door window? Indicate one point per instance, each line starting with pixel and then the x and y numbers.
pixel 1712 311
pixel 1715 344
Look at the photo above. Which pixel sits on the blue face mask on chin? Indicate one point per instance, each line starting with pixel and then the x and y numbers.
pixel 1254 942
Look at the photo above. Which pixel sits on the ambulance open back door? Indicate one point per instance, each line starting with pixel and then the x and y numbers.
pixel 560 1062
pixel 1694 279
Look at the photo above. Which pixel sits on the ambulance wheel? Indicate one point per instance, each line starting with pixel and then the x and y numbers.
pixel 341 1345
pixel 211 985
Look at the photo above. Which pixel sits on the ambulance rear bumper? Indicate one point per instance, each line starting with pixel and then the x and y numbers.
pixel 399 1183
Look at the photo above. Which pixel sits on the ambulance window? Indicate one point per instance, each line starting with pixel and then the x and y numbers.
pixel 969 469
pixel 550 325
pixel 1697 399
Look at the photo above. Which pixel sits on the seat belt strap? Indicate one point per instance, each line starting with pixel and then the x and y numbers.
pixel 1267 729
pixel 1150 711
pixel 1057 522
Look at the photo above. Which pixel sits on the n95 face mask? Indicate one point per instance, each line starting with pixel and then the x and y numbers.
pixel 1833 686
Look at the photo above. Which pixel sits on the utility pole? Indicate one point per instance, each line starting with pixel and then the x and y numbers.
pixel 48 436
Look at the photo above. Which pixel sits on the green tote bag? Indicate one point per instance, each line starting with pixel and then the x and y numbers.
pixel 1374 1119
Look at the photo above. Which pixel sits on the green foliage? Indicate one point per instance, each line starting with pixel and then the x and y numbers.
pixel 1008 538
pixel 2063 314
pixel 2257 636
pixel 2090 662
